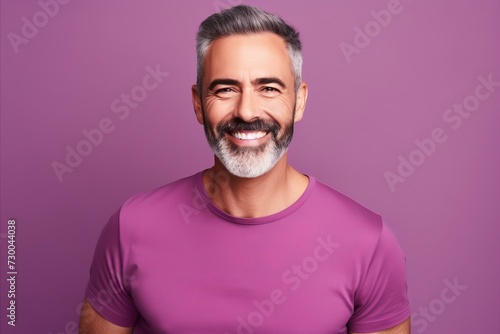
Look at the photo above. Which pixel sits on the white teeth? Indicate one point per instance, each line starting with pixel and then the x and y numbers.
pixel 249 135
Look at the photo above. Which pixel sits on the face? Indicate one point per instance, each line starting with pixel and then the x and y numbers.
pixel 249 104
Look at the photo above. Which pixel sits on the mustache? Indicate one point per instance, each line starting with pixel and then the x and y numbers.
pixel 238 124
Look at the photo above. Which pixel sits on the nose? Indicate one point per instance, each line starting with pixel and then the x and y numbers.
pixel 247 108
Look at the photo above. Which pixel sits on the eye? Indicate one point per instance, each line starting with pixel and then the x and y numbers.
pixel 224 90
pixel 270 91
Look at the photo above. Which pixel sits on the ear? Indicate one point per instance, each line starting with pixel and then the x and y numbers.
pixel 300 101
pixel 198 109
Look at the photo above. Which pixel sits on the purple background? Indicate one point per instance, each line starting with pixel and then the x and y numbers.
pixel 361 115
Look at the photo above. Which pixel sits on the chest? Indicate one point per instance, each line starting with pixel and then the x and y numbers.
pixel 246 284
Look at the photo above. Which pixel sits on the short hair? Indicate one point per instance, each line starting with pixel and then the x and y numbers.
pixel 243 20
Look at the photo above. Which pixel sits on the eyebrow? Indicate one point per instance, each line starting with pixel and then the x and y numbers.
pixel 229 82
pixel 264 81
pixel 258 81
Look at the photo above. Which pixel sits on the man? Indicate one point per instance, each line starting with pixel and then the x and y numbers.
pixel 250 245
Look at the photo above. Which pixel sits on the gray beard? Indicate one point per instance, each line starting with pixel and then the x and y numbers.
pixel 249 162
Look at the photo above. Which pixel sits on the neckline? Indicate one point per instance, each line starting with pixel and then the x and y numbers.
pixel 258 220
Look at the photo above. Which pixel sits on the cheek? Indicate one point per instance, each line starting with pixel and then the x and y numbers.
pixel 280 109
pixel 219 110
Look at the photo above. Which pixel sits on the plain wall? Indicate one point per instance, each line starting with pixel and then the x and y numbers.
pixel 368 107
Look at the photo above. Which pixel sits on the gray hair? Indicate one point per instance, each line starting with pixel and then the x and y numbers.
pixel 243 20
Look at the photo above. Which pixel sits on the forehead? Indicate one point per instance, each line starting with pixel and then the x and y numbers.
pixel 248 57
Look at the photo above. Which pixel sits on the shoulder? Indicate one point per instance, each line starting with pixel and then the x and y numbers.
pixel 149 208
pixel 345 211
pixel 160 198
pixel 362 231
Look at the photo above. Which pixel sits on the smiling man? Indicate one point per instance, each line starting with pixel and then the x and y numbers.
pixel 266 249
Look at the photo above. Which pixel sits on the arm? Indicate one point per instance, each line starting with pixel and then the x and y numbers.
pixel 116 313
pixel 402 328
pixel 92 322
pixel 381 301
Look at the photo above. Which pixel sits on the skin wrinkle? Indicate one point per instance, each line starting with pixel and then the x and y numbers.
pixel 252 63
pixel 259 102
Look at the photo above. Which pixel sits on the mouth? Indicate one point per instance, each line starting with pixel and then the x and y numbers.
pixel 248 138
pixel 248 135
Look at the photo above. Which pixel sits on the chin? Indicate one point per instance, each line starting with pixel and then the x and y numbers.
pixel 250 163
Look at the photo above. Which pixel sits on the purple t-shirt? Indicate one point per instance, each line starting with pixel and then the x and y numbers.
pixel 170 261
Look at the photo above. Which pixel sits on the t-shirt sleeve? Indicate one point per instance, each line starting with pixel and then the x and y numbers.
pixel 108 287
pixel 381 302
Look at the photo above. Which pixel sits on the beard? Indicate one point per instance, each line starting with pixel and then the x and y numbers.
pixel 245 161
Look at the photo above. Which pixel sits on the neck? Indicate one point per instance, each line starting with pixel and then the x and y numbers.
pixel 255 197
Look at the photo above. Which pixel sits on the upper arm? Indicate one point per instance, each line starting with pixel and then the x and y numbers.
pixel 381 299
pixel 402 328
pixel 92 322
pixel 108 289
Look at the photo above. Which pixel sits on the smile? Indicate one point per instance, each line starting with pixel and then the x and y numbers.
pixel 248 135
